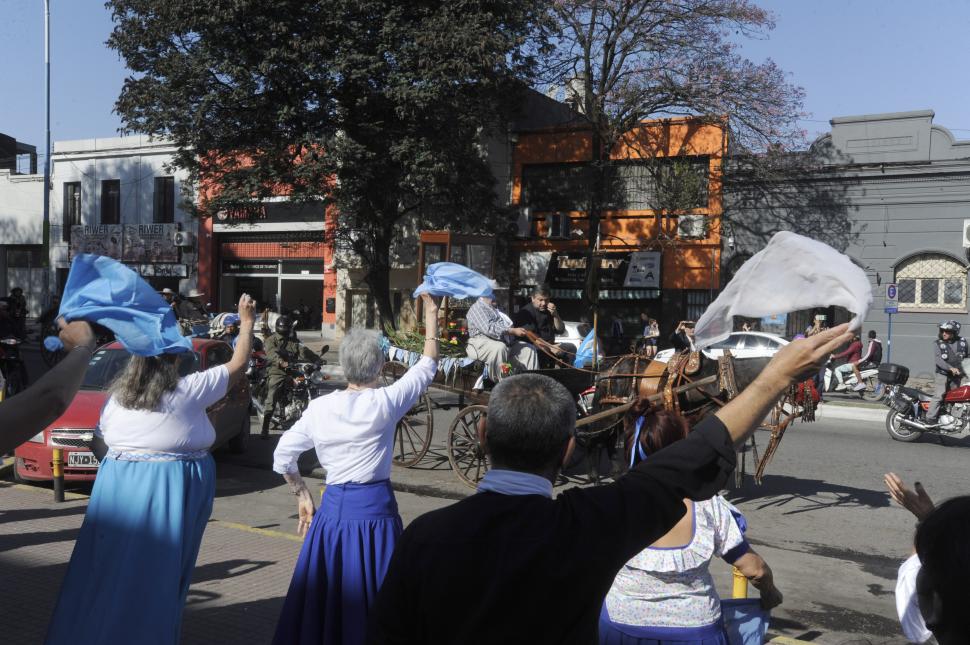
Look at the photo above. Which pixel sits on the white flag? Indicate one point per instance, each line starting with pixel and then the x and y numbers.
pixel 792 273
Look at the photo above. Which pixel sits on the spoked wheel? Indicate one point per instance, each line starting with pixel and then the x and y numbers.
pixel 899 431
pixel 412 435
pixel 465 451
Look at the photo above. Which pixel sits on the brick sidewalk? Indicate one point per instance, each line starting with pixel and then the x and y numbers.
pixel 238 586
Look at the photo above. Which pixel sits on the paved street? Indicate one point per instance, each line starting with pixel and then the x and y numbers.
pixel 821 519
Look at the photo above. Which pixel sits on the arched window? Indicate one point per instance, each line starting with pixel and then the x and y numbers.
pixel 932 281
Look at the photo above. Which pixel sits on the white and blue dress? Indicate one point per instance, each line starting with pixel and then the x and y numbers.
pixel 132 563
pixel 348 548
pixel 665 595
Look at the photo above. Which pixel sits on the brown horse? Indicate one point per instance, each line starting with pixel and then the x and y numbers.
pixel 635 377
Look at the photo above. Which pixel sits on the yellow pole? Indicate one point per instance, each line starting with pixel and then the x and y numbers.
pixel 740 584
pixel 57 467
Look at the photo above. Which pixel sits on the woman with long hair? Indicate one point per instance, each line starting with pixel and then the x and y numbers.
pixel 133 560
pixel 348 543
pixel 665 594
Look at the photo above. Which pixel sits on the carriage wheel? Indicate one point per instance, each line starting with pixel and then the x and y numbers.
pixel 465 452
pixel 412 435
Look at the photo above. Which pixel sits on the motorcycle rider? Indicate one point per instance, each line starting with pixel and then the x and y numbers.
pixel 951 349
pixel 871 358
pixel 282 348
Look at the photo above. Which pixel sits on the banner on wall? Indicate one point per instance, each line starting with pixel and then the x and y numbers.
pixel 101 239
pixel 643 270
pixel 149 243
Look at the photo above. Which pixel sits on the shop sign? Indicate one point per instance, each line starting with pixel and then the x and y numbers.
pixel 150 243
pixel 533 266
pixel 161 270
pixel 101 239
pixel 244 266
pixel 276 211
pixel 643 270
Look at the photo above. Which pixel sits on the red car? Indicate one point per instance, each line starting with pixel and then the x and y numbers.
pixel 74 430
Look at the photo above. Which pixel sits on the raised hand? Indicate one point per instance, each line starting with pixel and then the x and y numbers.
pixel 802 358
pixel 916 501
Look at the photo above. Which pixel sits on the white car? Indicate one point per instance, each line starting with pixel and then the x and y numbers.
pixel 743 344
pixel 571 335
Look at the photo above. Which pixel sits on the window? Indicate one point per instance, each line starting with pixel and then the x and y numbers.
pixel 164 210
pixel 111 201
pixel 24 257
pixel 72 208
pixel 932 281
pixel 695 302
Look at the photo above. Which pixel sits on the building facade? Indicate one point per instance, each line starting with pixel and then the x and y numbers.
pixel 21 224
pixel 660 251
pixel 897 190
pixel 117 197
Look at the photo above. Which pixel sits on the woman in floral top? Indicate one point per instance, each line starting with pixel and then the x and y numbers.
pixel 666 592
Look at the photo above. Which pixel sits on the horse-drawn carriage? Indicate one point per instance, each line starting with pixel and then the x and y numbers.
pixel 691 384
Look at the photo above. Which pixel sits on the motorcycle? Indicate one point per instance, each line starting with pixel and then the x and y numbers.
pixel 874 391
pixel 304 382
pixel 12 366
pixel 906 420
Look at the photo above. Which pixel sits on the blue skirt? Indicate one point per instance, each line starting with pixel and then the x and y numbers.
pixel 619 634
pixel 133 559
pixel 341 566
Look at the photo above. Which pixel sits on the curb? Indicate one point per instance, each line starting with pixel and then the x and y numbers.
pixel 851 413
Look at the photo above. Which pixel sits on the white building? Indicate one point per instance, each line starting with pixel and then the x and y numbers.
pixel 22 237
pixel 117 197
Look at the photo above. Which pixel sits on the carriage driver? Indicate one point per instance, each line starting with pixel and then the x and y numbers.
pixel 951 349
pixel 494 341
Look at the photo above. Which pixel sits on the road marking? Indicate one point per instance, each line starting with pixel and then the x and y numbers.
pixel 251 529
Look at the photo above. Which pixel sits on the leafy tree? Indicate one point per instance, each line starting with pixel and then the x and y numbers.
pixel 624 61
pixel 378 107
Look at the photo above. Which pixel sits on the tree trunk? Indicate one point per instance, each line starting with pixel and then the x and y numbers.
pixel 597 176
pixel 378 279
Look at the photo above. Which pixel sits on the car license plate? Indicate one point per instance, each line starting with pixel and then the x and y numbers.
pixel 82 460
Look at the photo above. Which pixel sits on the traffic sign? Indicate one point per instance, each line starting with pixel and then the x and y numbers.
pixel 892 298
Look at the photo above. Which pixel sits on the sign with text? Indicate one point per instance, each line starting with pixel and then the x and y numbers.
pixel 892 298
pixel 101 239
pixel 643 270
pixel 146 243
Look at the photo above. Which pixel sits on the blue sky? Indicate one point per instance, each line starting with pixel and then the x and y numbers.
pixel 851 56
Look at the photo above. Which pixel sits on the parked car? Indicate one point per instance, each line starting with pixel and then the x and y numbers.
pixel 743 344
pixel 74 430
pixel 571 335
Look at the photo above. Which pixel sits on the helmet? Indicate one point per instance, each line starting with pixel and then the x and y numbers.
pixel 951 326
pixel 230 319
pixel 284 325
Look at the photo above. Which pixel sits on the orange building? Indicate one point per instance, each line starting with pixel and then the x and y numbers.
pixel 281 254
pixel 660 221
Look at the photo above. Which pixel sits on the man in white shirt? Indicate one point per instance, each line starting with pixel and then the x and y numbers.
pixel 490 340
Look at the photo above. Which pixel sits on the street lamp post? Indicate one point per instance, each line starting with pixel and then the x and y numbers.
pixel 45 259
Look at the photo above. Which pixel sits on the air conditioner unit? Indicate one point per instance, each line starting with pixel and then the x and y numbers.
pixel 966 233
pixel 558 226
pixel 523 223
pixel 692 227
pixel 183 238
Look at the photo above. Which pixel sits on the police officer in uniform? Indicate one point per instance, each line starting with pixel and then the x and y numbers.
pixel 951 349
pixel 282 348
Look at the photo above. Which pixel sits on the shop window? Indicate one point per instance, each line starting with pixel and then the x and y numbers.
pixel 24 257
pixel 111 201
pixel 164 207
pixel 695 302
pixel 932 281
pixel 72 208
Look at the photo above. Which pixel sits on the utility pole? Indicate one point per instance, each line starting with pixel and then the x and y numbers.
pixel 46 253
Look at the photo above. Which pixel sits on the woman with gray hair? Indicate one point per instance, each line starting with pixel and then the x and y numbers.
pixel 133 560
pixel 349 542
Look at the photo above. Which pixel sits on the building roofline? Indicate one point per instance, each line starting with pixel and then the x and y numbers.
pixel 885 116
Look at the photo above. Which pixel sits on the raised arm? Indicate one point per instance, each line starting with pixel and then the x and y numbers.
pixel 403 393
pixel 24 415
pixel 240 355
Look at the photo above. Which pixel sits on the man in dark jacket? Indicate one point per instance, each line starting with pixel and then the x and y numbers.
pixel 542 566
pixel 541 317
pixel 950 350
pixel 683 337
pixel 282 348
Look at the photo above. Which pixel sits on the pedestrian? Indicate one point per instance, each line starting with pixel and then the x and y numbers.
pixel 349 542
pixel 132 563
pixel 666 592
pixel 683 337
pixel 818 326
pixel 540 567
pixel 651 335
pixel 282 348
pixel 169 297
pixel 950 351
pixel 941 585
pixel 29 412
pixel 18 311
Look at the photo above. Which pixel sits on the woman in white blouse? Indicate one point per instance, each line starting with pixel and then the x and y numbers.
pixel 133 560
pixel 666 593
pixel 349 541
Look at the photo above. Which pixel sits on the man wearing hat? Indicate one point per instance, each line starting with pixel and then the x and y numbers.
pixel 194 312
pixel 169 296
